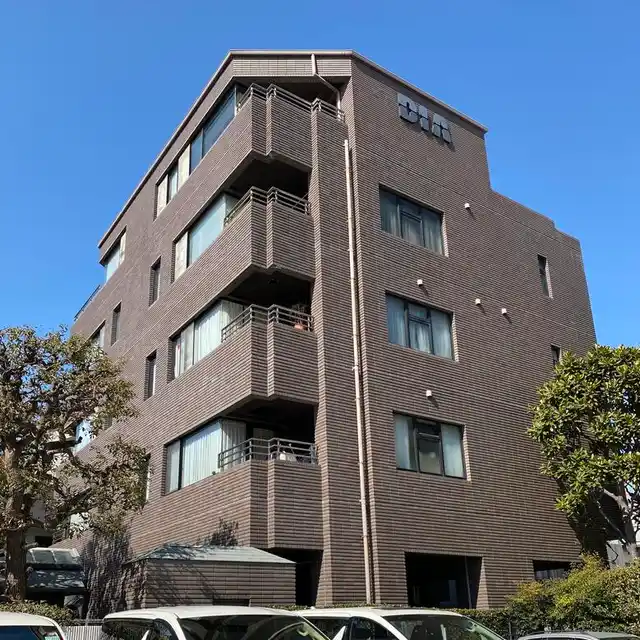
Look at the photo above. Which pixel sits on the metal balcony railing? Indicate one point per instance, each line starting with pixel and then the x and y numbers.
pixel 268 315
pixel 264 197
pixel 274 91
pixel 89 299
pixel 274 449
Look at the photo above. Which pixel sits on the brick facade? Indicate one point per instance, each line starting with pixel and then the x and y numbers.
pixel 503 511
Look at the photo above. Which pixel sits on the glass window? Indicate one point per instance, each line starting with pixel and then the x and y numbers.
pixel 172 479
pixel 11 632
pixel 83 435
pixel 556 354
pixel 154 282
pixel 429 447
pixel 418 327
pixel 440 627
pixel 416 224
pixel 366 629
pixel 150 376
pixel 97 339
pixel 249 627
pixel 204 335
pixel 543 270
pixel 196 152
pixel 208 227
pixel 115 257
pixel 115 324
pixel 173 182
pixel 218 122
pixel 329 626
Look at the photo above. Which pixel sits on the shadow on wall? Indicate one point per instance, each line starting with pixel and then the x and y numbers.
pixel 113 585
pixel 116 581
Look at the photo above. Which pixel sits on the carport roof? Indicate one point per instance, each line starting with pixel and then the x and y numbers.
pixel 207 553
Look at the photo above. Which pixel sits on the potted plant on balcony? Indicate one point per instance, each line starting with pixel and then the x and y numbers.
pixel 299 314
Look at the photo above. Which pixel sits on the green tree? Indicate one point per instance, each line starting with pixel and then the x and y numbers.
pixel 49 384
pixel 587 422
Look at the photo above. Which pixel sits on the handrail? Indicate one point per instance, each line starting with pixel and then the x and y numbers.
pixel 89 299
pixel 273 449
pixel 274 314
pixel 265 197
pixel 275 91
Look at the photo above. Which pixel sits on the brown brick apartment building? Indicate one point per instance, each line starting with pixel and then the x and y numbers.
pixel 230 285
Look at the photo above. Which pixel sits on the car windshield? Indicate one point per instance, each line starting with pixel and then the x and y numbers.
pixel 440 627
pixel 29 633
pixel 250 627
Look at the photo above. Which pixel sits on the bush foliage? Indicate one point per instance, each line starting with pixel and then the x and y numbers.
pixel 592 597
pixel 60 615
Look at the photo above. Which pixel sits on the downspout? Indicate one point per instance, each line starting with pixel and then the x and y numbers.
pixel 314 72
pixel 355 325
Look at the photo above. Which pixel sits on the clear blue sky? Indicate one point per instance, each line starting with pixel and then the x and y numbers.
pixel 91 90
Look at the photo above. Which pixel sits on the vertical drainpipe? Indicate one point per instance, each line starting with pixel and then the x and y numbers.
pixel 355 325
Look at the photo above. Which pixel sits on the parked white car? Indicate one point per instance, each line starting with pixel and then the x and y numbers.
pixel 208 623
pixel 24 626
pixel 364 623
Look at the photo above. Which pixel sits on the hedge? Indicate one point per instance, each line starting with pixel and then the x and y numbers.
pixel 60 615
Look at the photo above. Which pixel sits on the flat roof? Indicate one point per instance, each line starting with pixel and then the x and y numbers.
pixel 210 553
pixel 282 53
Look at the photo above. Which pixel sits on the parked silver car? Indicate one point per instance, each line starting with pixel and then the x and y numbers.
pixel 580 635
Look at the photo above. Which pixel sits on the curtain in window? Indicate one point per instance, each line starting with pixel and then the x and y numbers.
pixel 419 329
pixel 404 443
pixel 207 229
pixel 233 434
pixel 432 230
pixel 412 228
pixel 208 329
pixel 397 325
pixel 200 453
pixel 183 355
pixel 452 448
pixel 173 467
pixel 218 123
pixel 441 326
pixel 389 213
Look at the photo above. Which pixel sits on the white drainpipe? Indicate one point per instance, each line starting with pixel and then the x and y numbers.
pixel 355 325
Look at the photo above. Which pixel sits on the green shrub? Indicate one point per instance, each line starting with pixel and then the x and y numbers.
pixel 60 615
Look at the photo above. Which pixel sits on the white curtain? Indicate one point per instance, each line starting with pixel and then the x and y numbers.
pixel 432 230
pixel 184 348
pixel 441 326
pixel 172 477
pixel 404 442
pixel 200 453
pixel 208 329
pixel 412 228
pixel 419 328
pixel 452 448
pixel 389 212
pixel 209 226
pixel 233 434
pixel 396 321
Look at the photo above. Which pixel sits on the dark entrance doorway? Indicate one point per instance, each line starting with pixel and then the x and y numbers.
pixel 442 581
pixel 307 573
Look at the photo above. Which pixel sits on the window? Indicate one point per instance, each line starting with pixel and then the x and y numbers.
pixel 543 270
pixel 428 447
pixel 23 632
pixel 440 128
pixel 192 244
pixel 204 139
pixel 115 257
pixel 115 324
pixel 329 626
pixel 201 337
pixel 232 626
pixel 97 339
pixel 83 435
pixel 154 282
pixel 556 354
pixel 366 629
pixel 422 328
pixel 147 480
pixel 195 456
pixel 411 222
pixel 549 570
pixel 150 375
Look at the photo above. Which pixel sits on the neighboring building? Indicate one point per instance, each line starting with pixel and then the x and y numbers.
pixel 228 293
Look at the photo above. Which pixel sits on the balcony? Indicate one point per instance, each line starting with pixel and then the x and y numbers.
pixel 271 315
pixel 273 449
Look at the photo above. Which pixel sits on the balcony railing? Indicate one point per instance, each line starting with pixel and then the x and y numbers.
pixel 274 91
pixel 89 299
pixel 264 197
pixel 274 449
pixel 268 315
